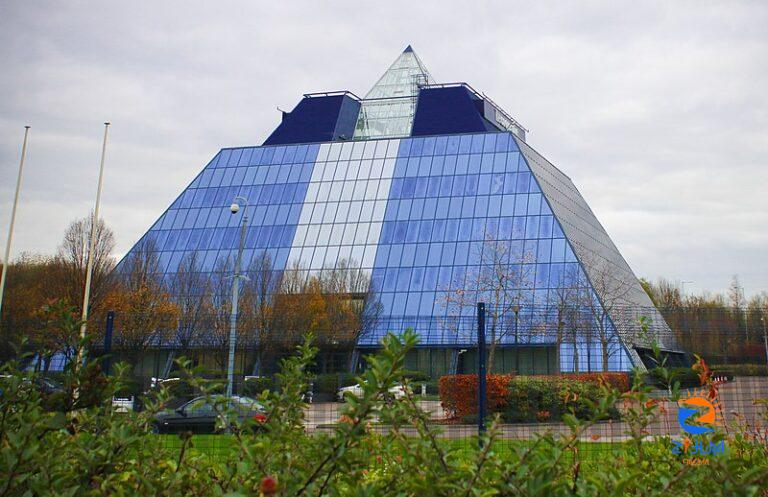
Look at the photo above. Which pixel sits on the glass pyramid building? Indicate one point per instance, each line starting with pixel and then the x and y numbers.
pixel 432 190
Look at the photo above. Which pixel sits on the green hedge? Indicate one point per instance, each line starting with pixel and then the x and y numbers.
pixel 533 399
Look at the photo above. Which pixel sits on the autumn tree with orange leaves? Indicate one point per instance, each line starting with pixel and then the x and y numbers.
pixel 145 316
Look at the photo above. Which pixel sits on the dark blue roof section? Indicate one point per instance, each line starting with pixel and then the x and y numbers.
pixel 448 110
pixel 317 119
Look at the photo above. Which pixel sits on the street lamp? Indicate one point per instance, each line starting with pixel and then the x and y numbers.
pixel 236 277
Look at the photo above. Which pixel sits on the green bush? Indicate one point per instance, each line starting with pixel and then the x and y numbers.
pixel 93 451
pixel 532 399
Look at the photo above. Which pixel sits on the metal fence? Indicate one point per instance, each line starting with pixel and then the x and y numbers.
pixel 533 342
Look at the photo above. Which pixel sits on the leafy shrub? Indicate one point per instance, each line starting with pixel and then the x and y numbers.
pixel 458 393
pixel 617 381
pixel 96 452
pixel 536 398
pixel 530 395
pixel 255 385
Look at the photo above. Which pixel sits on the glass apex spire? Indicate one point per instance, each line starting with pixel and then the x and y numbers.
pixel 389 106
pixel 403 77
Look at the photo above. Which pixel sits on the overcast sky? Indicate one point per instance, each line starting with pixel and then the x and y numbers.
pixel 657 111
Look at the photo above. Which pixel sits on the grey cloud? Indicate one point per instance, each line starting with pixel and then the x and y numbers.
pixel 657 110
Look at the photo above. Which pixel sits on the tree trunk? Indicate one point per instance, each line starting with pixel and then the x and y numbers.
pixel 575 353
pixel 489 360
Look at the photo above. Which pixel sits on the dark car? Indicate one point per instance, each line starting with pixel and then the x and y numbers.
pixel 209 415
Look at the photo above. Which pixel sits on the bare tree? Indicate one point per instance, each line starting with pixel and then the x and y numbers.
pixel 189 291
pixel 504 281
pixel 738 304
pixel 571 322
pixel 72 259
pixel 258 306
pixel 609 301
pixel 217 334
pixel 353 302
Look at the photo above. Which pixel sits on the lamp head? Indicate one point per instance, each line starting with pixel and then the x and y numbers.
pixel 234 208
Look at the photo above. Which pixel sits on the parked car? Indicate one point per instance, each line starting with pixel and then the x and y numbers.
pixel 208 415
pixel 396 392
pixel 46 386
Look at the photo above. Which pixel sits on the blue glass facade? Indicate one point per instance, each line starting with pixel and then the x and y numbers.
pixel 420 215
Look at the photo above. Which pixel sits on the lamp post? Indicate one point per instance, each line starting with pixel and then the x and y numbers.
pixel 7 257
pixel 236 277
pixel 91 243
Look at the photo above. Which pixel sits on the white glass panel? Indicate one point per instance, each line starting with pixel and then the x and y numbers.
pixel 349 234
pixel 366 215
pixel 336 188
pixel 346 192
pixel 392 148
pixel 389 168
pixel 322 153
pixel 325 234
pixel 294 255
pixel 331 256
pixel 340 172
pixel 301 234
pixel 357 150
pixel 369 257
pixel 317 214
pixel 335 151
pixel 346 151
pixel 381 149
pixel 337 231
pixel 312 233
pixel 312 190
pixel 357 254
pixel 379 208
pixel 355 208
pixel 329 171
pixel 371 189
pixel 374 233
pixel 362 233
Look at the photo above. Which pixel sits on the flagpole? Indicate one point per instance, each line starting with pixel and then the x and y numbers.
pixel 7 257
pixel 92 242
